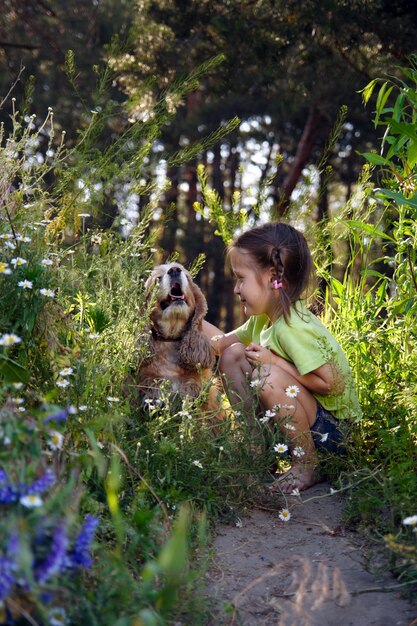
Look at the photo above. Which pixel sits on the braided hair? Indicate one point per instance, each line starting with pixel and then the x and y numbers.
pixel 284 248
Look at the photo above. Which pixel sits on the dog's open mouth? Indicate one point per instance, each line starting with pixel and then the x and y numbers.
pixel 176 296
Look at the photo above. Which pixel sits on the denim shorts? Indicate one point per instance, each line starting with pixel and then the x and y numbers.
pixel 327 424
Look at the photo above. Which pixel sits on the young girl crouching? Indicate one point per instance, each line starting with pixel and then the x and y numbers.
pixel 284 350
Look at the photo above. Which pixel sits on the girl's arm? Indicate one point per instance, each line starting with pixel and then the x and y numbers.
pixel 325 380
pixel 219 341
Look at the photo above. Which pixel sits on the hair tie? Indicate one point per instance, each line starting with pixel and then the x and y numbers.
pixel 277 285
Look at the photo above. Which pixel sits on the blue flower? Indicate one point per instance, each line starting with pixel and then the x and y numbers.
pixel 55 561
pixel 41 484
pixel 61 416
pixel 8 492
pixel 80 555
pixel 6 576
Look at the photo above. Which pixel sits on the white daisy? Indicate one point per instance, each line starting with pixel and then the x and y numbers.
pixel 295 492
pixel 198 464
pixel 112 399
pixel 10 244
pixel 4 268
pixel 82 407
pixel 18 261
pixel 67 371
pixel 25 284
pixel 17 385
pixel 292 391
pixel 57 617
pixel 23 238
pixel 256 383
pixel 289 426
pixel 62 383
pixel 49 293
pixel 94 335
pixel 9 340
pixel 56 441
pixel 410 521
pixel 46 262
pixel 324 437
pixel 298 451
pixel 217 337
pixel 280 448
pixel 284 515
pixel 264 419
pixel 31 501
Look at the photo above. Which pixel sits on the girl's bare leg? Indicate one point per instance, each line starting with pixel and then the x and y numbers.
pixel 237 374
pixel 275 381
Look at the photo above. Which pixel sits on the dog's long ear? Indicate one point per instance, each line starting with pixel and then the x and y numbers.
pixel 195 346
pixel 195 349
pixel 200 310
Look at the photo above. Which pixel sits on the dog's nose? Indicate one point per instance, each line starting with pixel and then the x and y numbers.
pixel 174 272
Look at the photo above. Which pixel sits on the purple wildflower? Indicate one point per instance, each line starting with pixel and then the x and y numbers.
pixel 13 546
pixel 80 555
pixel 61 416
pixel 56 559
pixel 8 492
pixel 41 484
pixel 6 576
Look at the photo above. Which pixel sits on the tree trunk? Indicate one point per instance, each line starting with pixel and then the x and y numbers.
pixel 302 155
pixel 170 205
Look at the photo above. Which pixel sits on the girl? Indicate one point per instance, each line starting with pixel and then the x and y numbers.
pixel 290 357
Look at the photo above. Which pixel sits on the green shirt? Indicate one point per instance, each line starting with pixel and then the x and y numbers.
pixel 306 343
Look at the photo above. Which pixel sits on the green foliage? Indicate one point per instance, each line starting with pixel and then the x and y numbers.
pixel 227 222
pixel 73 326
pixel 372 311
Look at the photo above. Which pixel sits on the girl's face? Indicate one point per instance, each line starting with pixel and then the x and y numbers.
pixel 253 286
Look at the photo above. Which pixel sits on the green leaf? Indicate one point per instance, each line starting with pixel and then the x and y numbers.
pixel 412 154
pixel 398 107
pixel 375 159
pixel 383 96
pixel 398 197
pixel 12 371
pixel 401 128
pixel 369 229
pixel 368 90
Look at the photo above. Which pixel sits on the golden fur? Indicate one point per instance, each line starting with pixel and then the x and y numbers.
pixel 179 351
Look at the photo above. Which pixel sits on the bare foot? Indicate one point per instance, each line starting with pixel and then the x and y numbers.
pixel 298 478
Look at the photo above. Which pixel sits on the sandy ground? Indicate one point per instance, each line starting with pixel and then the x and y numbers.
pixel 304 572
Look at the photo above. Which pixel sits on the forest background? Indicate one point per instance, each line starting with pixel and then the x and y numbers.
pixel 289 67
pixel 134 131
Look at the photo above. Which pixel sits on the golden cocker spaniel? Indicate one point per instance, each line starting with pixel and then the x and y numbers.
pixel 179 351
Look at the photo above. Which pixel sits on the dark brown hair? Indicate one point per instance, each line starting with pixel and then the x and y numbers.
pixel 285 249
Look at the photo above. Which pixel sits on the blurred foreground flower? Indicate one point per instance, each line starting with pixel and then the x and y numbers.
pixel 9 340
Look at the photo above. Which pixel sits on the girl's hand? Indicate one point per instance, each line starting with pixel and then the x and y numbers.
pixel 257 355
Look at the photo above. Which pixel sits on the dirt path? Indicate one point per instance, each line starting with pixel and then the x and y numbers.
pixel 304 572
